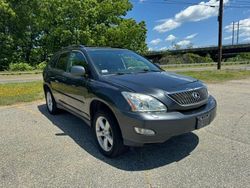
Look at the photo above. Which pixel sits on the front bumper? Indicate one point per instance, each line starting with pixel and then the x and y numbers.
pixel 165 125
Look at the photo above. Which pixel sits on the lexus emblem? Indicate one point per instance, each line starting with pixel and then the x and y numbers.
pixel 196 95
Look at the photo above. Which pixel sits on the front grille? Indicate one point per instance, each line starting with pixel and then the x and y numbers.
pixel 190 97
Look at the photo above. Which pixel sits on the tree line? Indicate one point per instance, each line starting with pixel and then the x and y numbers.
pixel 32 30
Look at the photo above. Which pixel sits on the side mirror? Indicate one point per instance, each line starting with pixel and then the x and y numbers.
pixel 77 71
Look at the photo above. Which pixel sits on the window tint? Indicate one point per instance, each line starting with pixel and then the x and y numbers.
pixel 77 59
pixel 62 62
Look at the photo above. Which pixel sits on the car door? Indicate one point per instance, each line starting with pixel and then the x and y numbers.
pixel 76 85
pixel 58 80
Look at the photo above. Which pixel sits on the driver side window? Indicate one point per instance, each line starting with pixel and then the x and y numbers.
pixel 77 59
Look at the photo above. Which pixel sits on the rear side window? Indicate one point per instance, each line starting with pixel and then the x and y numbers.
pixel 62 62
pixel 53 61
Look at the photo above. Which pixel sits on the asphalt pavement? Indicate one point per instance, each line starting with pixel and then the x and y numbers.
pixel 41 150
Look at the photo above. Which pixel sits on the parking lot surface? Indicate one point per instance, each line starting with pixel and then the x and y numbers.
pixel 41 150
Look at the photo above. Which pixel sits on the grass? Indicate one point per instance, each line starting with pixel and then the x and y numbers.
pixel 213 76
pixel 12 93
pixel 201 65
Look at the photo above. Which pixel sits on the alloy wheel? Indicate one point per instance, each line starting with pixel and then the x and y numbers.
pixel 104 133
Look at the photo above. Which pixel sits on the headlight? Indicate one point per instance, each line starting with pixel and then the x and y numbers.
pixel 143 103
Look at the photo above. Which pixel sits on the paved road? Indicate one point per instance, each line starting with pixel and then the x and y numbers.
pixel 38 77
pixel 40 150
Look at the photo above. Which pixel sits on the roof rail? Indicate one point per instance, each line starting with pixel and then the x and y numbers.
pixel 74 45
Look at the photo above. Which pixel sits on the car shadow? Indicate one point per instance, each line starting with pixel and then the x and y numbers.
pixel 136 159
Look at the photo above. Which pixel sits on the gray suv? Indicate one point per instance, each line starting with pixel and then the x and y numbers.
pixel 127 100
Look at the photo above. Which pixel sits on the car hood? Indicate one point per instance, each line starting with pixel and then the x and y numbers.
pixel 149 81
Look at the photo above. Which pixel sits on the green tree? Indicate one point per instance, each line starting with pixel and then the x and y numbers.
pixel 240 57
pixel 34 29
pixel 128 34
pixel 95 23
pixel 6 40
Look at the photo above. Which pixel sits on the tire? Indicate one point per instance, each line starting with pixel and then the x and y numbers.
pixel 108 135
pixel 50 102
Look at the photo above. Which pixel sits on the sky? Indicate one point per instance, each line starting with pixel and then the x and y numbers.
pixel 190 22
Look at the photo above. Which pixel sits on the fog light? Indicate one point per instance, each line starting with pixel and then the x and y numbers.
pixel 144 131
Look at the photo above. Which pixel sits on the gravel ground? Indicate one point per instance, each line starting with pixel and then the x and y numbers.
pixel 40 150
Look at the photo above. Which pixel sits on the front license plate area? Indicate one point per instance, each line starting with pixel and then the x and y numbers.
pixel 203 120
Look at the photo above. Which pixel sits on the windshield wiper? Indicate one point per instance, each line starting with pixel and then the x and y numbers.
pixel 122 73
pixel 148 70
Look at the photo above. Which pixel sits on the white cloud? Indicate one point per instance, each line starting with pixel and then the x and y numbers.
pixel 191 36
pixel 198 12
pixel 244 28
pixel 155 41
pixel 167 25
pixel 141 1
pixel 183 42
pixel 192 13
pixel 163 48
pixel 170 38
pixel 228 38
pixel 247 39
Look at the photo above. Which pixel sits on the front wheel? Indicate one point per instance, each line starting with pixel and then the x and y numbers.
pixel 108 135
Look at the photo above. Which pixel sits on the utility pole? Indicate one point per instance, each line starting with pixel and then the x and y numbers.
pixel 233 35
pixel 238 30
pixel 220 20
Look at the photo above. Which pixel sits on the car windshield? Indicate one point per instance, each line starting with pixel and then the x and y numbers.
pixel 120 62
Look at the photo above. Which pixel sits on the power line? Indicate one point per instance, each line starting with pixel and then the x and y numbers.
pixel 189 3
pixel 231 3
pixel 174 3
pixel 238 6
pixel 242 26
pixel 242 1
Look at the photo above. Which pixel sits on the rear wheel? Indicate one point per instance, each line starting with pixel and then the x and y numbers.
pixel 50 102
pixel 108 135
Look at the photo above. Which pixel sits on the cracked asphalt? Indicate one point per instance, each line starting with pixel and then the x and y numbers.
pixel 41 150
